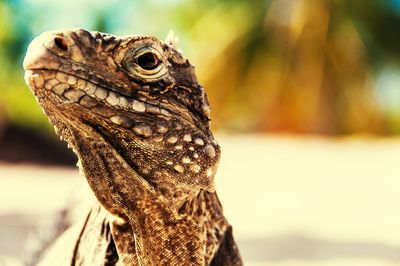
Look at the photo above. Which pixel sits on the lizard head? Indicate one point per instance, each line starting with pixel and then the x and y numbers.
pixel 130 107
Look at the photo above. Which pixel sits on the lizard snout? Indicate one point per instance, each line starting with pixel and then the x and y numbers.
pixel 44 50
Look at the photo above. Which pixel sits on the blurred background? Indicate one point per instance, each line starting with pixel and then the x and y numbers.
pixel 306 106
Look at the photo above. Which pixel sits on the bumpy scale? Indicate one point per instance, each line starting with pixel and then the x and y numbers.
pixel 132 110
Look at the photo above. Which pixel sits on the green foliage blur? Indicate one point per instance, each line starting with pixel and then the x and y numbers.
pixel 296 66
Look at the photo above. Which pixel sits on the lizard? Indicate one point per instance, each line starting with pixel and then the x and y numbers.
pixel 132 110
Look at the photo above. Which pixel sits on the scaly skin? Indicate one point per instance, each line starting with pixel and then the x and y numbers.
pixel 132 110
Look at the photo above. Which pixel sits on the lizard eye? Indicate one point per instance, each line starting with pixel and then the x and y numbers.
pixel 145 62
pixel 148 61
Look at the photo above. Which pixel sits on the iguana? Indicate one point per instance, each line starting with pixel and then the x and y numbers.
pixel 133 112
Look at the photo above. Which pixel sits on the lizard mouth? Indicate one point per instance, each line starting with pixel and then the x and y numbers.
pixel 66 88
pixel 69 91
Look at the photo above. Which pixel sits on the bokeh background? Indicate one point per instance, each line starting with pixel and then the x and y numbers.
pixel 306 106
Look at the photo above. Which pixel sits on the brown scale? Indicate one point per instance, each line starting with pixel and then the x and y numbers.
pixel 132 110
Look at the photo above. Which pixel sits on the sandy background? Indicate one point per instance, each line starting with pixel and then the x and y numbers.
pixel 291 201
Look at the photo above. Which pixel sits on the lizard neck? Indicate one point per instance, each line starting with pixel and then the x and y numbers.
pixel 151 225
pixel 151 237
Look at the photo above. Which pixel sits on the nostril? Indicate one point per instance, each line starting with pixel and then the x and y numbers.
pixel 60 43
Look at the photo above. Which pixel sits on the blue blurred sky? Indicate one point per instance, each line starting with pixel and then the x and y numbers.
pixel 122 17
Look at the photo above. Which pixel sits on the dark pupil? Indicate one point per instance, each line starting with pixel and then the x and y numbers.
pixel 147 61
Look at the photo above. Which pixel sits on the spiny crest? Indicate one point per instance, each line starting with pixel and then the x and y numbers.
pixel 172 40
